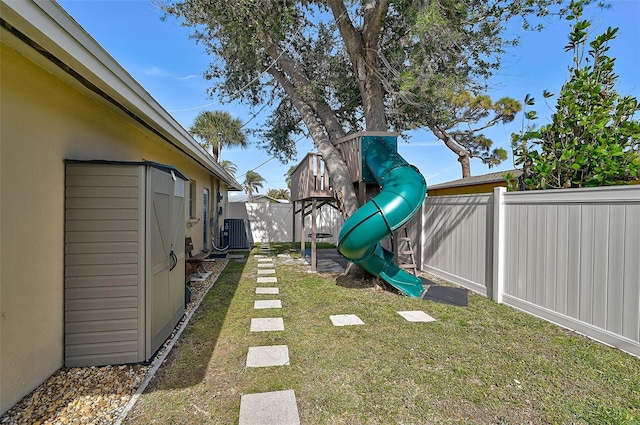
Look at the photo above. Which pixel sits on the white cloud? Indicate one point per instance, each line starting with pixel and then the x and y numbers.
pixel 155 71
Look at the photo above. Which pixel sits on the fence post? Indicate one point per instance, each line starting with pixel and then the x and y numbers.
pixel 498 243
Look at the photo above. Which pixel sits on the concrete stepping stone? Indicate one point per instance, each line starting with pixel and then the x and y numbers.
pixel 200 277
pixel 269 291
pixel 264 259
pixel 263 304
pixel 265 265
pixel 268 279
pixel 269 324
pixel 267 271
pixel 272 408
pixel 345 320
pixel 260 256
pixel 268 356
pixel 416 316
pixel 284 255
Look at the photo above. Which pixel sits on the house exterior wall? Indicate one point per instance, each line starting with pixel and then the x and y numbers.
pixel 468 189
pixel 46 120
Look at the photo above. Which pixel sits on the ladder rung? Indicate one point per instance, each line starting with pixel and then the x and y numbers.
pixel 406 239
pixel 408 266
pixel 409 252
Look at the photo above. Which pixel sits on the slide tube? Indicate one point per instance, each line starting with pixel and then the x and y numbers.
pixel 403 190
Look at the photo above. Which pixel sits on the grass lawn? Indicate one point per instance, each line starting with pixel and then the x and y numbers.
pixel 485 363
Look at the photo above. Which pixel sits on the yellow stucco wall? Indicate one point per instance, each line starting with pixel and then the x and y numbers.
pixel 45 121
pixel 459 190
pixel 475 188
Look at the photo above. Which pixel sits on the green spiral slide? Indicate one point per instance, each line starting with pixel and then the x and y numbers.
pixel 402 191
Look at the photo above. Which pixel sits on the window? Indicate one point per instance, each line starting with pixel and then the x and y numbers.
pixel 192 199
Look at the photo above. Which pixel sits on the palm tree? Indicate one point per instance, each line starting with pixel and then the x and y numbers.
pixel 252 182
pixel 229 167
pixel 217 129
pixel 278 193
pixel 288 175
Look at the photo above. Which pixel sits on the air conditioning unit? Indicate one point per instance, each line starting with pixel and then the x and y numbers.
pixel 237 233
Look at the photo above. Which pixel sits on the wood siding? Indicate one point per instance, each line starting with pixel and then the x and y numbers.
pixel 103 264
pixel 311 179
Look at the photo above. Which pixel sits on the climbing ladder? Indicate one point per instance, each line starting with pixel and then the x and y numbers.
pixel 406 257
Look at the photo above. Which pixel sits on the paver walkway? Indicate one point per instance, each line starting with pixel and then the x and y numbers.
pixel 270 408
pixel 280 407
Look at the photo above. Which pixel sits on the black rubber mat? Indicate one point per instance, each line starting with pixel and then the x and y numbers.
pixel 213 255
pixel 447 295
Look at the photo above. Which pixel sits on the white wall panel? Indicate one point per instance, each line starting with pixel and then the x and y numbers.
pixel 571 256
pixel 273 222
pixel 457 239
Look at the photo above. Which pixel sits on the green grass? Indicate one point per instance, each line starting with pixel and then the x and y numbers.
pixel 485 363
pixel 286 247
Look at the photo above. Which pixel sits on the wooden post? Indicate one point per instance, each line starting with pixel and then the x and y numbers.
pixel 293 225
pixel 362 193
pixel 313 234
pixel 302 231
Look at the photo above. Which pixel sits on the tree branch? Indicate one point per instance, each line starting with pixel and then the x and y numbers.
pixel 330 154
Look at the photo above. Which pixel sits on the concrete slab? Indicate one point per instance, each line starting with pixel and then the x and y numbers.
pixel 345 320
pixel 262 304
pixel 265 265
pixel 264 259
pixel 272 408
pixel 269 324
pixel 235 256
pixel 268 356
pixel 416 316
pixel 260 256
pixel 267 271
pixel 284 255
pixel 268 279
pixel 270 291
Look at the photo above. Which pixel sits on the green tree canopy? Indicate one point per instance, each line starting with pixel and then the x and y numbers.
pixel 229 166
pixel 467 117
pixel 217 129
pixel 278 193
pixel 253 182
pixel 333 67
pixel 594 136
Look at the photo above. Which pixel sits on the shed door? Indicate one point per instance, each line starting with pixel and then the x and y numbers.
pixel 165 291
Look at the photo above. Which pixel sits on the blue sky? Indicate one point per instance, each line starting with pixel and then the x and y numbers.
pixel 169 65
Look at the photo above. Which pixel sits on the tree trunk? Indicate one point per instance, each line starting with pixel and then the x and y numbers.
pixel 465 163
pixel 463 155
pixel 342 186
pixel 362 48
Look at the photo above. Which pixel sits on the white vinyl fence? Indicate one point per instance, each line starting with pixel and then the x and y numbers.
pixel 273 222
pixel 570 256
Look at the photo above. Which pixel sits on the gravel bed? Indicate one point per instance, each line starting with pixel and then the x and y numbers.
pixel 95 395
